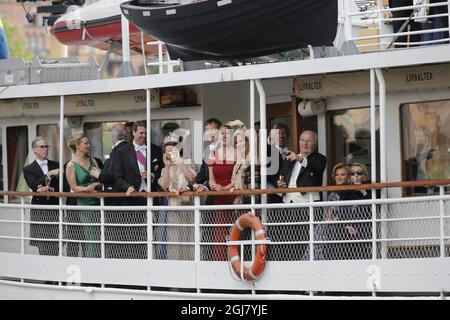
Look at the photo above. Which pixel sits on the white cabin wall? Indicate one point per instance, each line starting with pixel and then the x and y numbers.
pixel 227 101
pixel 278 90
pixel 230 101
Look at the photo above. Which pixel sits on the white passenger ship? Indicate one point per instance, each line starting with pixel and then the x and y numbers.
pixel 380 96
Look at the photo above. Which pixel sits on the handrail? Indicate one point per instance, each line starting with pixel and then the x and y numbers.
pixel 372 186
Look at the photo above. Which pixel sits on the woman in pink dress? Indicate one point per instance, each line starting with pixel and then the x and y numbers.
pixel 221 164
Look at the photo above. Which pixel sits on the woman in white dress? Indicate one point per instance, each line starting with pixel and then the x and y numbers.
pixel 176 176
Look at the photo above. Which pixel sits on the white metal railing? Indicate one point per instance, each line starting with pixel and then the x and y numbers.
pixel 188 226
pixel 380 18
pixel 419 230
pixel 162 65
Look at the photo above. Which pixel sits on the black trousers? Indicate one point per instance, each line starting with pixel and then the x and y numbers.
pixel 124 233
pixel 41 232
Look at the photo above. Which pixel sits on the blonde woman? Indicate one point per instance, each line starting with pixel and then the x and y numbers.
pixel 80 180
pixel 241 177
pixel 358 230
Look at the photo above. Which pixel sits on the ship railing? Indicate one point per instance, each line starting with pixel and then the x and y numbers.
pixel 391 228
pixel 163 66
pixel 374 26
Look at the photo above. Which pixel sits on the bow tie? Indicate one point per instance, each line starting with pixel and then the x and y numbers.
pixel 142 148
pixel 43 162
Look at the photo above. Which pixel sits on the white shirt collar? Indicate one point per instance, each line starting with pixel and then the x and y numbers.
pixel 139 148
pixel 41 162
pixel 117 143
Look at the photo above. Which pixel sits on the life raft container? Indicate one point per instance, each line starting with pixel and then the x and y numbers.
pixel 248 220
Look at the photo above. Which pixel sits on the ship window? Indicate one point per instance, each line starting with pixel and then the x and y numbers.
pixel 18 157
pixel 51 133
pixel 349 138
pixel 426 142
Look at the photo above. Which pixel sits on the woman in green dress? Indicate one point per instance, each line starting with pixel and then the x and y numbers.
pixel 80 180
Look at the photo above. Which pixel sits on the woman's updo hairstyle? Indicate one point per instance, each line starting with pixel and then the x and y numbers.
pixel 75 140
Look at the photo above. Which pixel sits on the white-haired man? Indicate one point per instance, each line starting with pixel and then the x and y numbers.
pixel 42 175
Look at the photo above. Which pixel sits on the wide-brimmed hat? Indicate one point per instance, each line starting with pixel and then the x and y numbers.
pixel 172 138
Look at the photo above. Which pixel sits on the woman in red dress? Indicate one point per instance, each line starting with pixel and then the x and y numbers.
pixel 221 164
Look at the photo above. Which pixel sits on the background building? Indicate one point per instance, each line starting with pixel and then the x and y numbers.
pixel 39 39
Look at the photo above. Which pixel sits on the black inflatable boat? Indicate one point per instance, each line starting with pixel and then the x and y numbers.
pixel 235 29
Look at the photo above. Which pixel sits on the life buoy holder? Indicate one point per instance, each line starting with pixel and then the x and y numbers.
pixel 248 220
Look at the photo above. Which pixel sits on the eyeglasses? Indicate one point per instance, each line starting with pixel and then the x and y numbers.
pixel 43 147
pixel 356 173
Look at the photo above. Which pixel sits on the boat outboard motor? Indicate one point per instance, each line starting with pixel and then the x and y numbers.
pixel 56 9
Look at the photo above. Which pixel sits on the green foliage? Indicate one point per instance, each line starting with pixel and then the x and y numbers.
pixel 18 44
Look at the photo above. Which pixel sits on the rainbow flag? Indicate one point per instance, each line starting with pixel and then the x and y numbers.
pixel 4 52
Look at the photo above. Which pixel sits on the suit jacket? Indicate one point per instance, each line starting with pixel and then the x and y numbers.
pixel 107 175
pixel 312 175
pixel 126 169
pixel 203 174
pixel 273 178
pixel 70 201
pixel 34 176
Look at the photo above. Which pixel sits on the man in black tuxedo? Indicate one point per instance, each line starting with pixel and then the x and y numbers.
pixel 131 175
pixel 301 170
pixel 42 175
pixel 106 175
pixel 211 128
pixel 277 147
pixel 130 166
pixel 304 169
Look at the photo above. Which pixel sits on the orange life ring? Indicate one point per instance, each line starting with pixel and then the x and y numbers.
pixel 248 220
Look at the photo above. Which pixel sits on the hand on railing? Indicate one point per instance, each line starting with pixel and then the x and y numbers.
pixel 198 187
pixel 130 190
pixel 44 189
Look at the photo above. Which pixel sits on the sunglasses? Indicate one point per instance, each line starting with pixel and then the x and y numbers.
pixel 43 147
pixel 356 173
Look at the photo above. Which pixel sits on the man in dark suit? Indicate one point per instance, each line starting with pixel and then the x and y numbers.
pixel 131 175
pixel 277 147
pixel 106 175
pixel 130 166
pixel 304 169
pixel 42 175
pixel 202 179
pixel 301 170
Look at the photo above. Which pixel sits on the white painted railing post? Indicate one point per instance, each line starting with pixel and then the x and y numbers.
pixel 22 225
pixel 61 171
pixel 373 157
pixel 380 16
pixel 197 238
pixel 347 21
pixel 60 227
pixel 441 223
pixel 448 17
pixel 102 227
pixel 148 107
pixel 263 146
pixel 383 159
pixel 149 231
pixel 252 142
pixel 311 227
